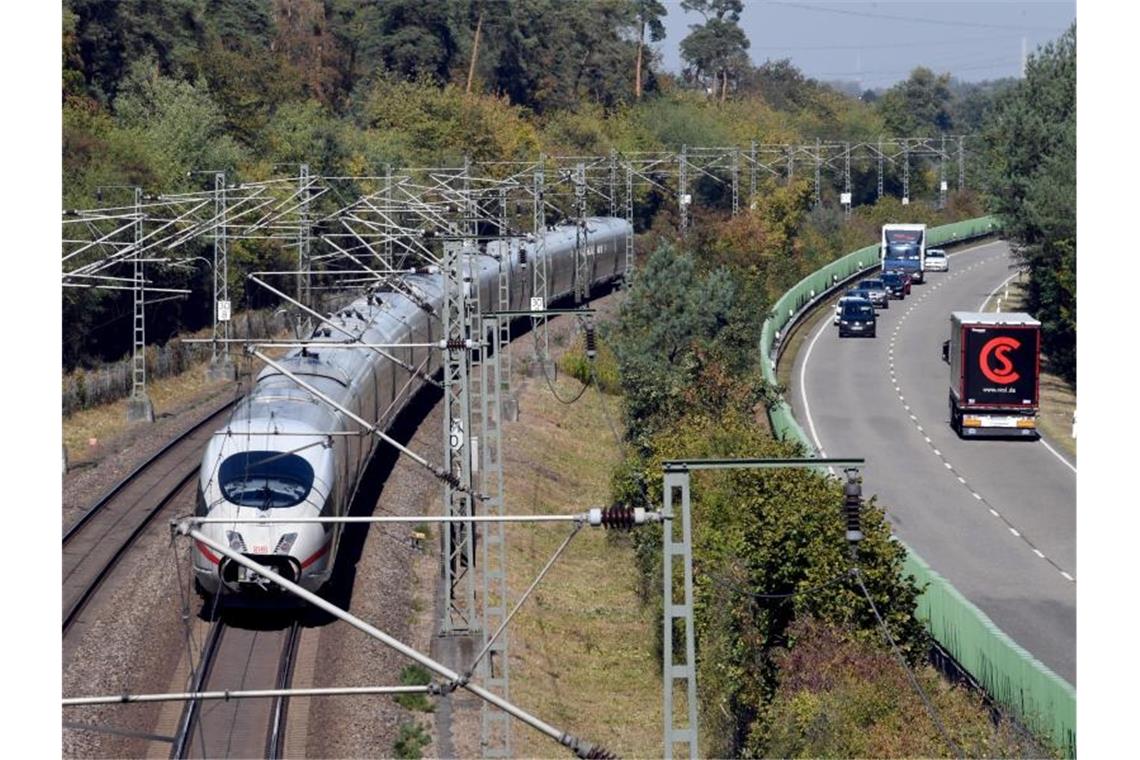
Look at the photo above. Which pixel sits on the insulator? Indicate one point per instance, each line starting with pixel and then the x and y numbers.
pixel 852 503
pixel 594 752
pixel 456 344
pixel 522 255
pixel 619 518
pixel 591 342
pixel 448 477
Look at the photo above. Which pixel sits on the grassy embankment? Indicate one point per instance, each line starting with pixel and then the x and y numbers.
pixel 581 650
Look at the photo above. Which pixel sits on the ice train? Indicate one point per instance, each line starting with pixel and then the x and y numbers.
pixel 276 457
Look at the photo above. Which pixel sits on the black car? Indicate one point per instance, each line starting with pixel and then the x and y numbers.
pixel 857 317
pixel 897 284
pixel 873 290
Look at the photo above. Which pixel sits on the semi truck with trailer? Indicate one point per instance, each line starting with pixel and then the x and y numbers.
pixel 995 364
pixel 903 247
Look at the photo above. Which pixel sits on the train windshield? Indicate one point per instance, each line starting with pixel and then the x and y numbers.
pixel 265 479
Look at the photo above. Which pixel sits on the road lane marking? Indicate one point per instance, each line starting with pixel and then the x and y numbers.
pixel 803 389
pixel 995 290
pixel 1057 454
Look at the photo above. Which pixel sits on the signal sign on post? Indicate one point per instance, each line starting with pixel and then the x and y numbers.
pixel 223 311
pixel 456 437
pixel 945 186
pixel 686 199
pixel 537 303
pixel 906 201
pixel 845 199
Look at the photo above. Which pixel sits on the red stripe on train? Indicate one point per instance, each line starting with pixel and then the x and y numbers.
pixel 320 553
pixel 206 552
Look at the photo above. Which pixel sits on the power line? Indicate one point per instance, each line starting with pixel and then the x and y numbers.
pixel 956 42
pixel 910 674
pixel 913 19
pixel 995 64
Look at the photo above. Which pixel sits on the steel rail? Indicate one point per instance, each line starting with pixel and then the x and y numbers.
pixel 74 606
pixel 119 486
pixel 190 712
pixel 275 743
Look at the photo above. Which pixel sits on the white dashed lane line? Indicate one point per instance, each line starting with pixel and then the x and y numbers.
pixel 894 381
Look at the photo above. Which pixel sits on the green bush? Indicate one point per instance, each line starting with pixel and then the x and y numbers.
pixel 411 741
pixel 415 675
pixel 605 367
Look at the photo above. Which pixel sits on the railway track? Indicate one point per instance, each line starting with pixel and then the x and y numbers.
pixel 94 543
pixel 256 652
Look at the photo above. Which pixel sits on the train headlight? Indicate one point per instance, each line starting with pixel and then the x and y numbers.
pixel 286 543
pixel 235 541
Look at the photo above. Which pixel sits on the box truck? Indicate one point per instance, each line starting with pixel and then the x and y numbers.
pixel 903 248
pixel 995 363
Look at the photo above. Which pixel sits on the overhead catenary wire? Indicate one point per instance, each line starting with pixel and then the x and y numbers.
pixel 545 376
pixel 912 19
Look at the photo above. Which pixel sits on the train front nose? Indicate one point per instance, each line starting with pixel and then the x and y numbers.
pixel 272 549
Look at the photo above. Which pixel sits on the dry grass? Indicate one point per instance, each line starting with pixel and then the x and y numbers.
pixel 1058 398
pixel 582 649
pixel 108 422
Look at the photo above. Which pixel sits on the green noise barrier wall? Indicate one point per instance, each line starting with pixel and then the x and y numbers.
pixel 1016 680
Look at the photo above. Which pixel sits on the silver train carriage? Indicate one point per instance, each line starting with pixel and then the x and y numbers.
pixel 276 459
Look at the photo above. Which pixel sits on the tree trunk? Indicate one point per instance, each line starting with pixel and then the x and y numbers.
pixel 724 86
pixel 474 52
pixel 637 71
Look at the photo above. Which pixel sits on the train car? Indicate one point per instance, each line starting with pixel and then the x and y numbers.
pixel 287 453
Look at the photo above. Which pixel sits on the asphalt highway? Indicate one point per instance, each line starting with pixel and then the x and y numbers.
pixel 996 518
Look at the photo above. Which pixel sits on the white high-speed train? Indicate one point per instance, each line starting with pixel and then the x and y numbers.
pixel 276 459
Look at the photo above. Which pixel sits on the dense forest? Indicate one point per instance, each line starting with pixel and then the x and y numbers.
pixel 154 91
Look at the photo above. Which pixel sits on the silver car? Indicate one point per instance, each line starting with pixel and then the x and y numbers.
pixel 874 290
pixel 936 261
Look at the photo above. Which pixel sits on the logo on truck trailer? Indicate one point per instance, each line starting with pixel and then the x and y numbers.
pixel 1000 348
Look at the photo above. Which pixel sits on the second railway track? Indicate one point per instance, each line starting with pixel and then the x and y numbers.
pixel 98 539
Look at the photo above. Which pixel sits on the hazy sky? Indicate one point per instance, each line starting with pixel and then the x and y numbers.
pixel 878 43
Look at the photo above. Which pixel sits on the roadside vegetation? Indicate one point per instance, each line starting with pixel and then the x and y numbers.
pixel 1031 148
